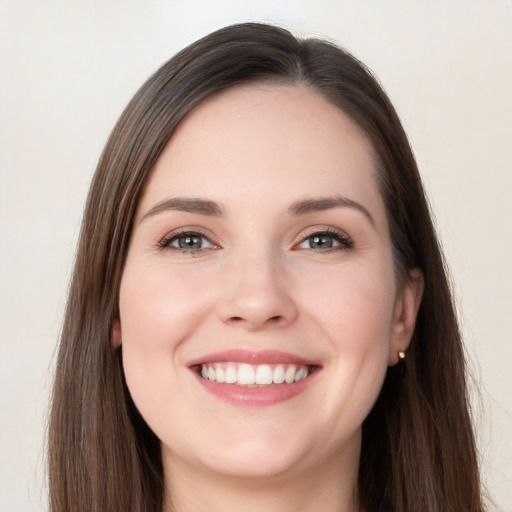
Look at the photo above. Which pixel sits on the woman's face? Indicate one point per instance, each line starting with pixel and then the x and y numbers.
pixel 258 306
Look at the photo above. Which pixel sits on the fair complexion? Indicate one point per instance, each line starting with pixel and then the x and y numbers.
pixel 261 244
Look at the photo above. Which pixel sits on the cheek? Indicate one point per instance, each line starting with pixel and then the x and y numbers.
pixel 356 318
pixel 154 309
pixel 355 305
pixel 158 307
pixel 160 310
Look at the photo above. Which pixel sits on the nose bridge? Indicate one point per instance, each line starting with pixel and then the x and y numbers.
pixel 257 291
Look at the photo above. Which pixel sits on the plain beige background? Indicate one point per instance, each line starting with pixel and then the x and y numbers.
pixel 67 68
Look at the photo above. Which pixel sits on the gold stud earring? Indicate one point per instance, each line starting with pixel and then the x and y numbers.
pixel 401 355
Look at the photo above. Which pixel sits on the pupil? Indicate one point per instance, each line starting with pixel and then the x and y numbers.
pixel 190 242
pixel 321 242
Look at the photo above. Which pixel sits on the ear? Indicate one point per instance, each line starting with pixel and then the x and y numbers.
pixel 406 309
pixel 116 333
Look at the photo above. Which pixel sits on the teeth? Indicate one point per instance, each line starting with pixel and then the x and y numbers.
pixel 254 375
pixel 246 375
pixel 301 374
pixel 231 376
pixel 278 376
pixel 264 374
pixel 220 374
pixel 289 375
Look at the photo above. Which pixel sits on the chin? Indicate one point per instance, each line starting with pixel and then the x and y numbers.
pixel 255 463
pixel 259 453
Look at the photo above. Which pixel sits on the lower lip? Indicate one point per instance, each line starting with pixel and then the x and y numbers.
pixel 266 395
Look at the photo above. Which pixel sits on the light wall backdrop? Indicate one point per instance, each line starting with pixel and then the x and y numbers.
pixel 67 69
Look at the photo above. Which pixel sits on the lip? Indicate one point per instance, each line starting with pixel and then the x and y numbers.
pixel 252 357
pixel 254 396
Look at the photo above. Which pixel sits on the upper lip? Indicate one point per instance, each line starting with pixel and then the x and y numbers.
pixel 254 357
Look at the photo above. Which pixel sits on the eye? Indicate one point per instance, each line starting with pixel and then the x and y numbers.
pixel 326 240
pixel 186 241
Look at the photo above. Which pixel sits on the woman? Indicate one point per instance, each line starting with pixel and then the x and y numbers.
pixel 259 316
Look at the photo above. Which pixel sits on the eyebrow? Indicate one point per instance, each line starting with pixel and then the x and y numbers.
pixel 305 206
pixel 211 208
pixel 185 204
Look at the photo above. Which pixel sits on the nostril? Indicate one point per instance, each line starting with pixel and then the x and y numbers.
pixel 272 320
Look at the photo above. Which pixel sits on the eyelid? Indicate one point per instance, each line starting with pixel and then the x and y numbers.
pixel 345 240
pixel 164 243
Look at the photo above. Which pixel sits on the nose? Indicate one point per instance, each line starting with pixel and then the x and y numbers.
pixel 257 294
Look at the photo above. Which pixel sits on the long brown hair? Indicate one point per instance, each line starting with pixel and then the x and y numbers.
pixel 418 451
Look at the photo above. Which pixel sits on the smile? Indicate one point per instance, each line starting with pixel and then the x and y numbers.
pixel 254 375
pixel 254 378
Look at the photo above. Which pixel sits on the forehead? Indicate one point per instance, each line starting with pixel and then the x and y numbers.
pixel 237 142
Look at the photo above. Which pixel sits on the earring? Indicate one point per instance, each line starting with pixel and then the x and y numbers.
pixel 401 355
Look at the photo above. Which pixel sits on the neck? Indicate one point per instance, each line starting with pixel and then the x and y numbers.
pixel 331 488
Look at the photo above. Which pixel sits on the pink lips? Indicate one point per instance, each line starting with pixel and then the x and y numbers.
pixel 251 357
pixel 267 395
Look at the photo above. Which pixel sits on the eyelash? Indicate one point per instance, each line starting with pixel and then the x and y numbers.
pixel 345 242
pixel 166 242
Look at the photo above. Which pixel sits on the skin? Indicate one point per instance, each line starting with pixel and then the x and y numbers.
pixel 260 283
